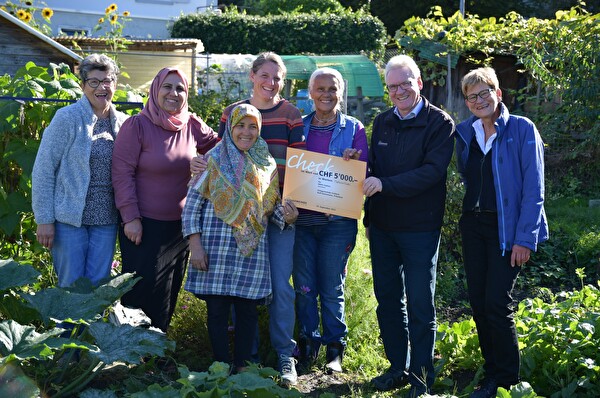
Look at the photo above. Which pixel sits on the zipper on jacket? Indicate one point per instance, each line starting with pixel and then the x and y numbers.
pixel 500 205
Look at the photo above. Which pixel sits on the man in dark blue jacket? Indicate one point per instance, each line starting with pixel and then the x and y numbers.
pixel 411 147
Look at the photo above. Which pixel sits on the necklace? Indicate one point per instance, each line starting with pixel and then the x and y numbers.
pixel 326 120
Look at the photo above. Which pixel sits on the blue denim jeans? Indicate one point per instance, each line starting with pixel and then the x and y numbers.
pixel 404 267
pixel 85 251
pixel 321 254
pixel 281 309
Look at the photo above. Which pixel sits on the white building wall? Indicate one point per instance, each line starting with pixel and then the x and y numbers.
pixel 149 18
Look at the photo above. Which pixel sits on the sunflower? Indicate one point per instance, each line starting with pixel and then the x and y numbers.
pixel 125 13
pixel 47 13
pixel 112 7
pixel 100 21
pixel 113 19
pixel 29 3
pixel 28 17
pixel 21 14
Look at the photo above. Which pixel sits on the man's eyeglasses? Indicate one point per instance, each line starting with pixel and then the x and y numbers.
pixel 483 94
pixel 392 88
pixel 94 83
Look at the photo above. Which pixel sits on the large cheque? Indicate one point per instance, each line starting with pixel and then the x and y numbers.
pixel 324 183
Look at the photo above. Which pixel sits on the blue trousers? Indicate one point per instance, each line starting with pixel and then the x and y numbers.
pixel 321 254
pixel 404 271
pixel 281 309
pixel 85 251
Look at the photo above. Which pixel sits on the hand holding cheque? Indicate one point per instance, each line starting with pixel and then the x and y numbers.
pixel 324 183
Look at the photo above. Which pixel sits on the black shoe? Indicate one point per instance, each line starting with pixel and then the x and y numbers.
pixel 487 389
pixel 308 353
pixel 334 357
pixel 390 380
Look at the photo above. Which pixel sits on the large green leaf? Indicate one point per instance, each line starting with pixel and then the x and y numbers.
pixel 14 383
pixel 60 304
pixel 13 274
pixel 127 343
pixel 95 393
pixel 9 111
pixel 23 342
pixel 158 391
pixel 111 290
pixel 81 301
pixel 13 307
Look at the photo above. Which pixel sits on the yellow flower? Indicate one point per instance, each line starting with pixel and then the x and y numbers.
pixel 125 13
pixel 112 7
pixel 113 19
pixel 100 21
pixel 21 14
pixel 3 8
pixel 28 17
pixel 47 13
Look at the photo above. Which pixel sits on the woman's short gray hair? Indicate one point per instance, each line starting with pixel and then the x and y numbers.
pixel 403 61
pixel 485 75
pixel 98 62
pixel 337 76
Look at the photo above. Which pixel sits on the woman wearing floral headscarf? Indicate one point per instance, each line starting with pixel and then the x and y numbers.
pixel 225 218
pixel 150 172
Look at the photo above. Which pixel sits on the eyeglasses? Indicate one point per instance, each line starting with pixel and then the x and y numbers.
pixel 483 94
pixel 392 88
pixel 94 83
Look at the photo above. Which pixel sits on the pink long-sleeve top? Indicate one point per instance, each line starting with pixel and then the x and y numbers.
pixel 151 167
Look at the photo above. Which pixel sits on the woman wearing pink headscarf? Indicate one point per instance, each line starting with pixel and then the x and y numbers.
pixel 150 172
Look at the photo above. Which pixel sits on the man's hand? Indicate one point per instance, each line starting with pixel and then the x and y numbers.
pixel 371 186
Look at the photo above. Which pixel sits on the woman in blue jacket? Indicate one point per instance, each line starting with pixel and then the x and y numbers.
pixel 500 159
pixel 324 242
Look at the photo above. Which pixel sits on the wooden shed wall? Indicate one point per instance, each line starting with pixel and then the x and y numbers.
pixel 19 47
pixel 142 67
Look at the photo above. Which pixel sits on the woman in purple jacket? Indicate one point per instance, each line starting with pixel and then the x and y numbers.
pixel 500 159
pixel 150 172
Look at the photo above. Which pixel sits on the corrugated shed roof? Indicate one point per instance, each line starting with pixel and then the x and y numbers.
pixel 99 43
pixel 40 35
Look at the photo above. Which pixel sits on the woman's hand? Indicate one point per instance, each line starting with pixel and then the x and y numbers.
pixel 290 211
pixel 198 256
pixel 520 255
pixel 371 186
pixel 45 235
pixel 351 153
pixel 198 164
pixel 133 231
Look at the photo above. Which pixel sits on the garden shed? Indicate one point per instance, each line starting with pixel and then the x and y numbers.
pixel 21 44
pixel 144 57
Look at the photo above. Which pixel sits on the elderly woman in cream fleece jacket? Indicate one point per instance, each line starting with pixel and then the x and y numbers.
pixel 72 196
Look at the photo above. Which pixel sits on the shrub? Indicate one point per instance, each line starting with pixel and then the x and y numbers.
pixel 233 33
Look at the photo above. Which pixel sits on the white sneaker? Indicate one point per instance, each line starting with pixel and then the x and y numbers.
pixel 287 368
